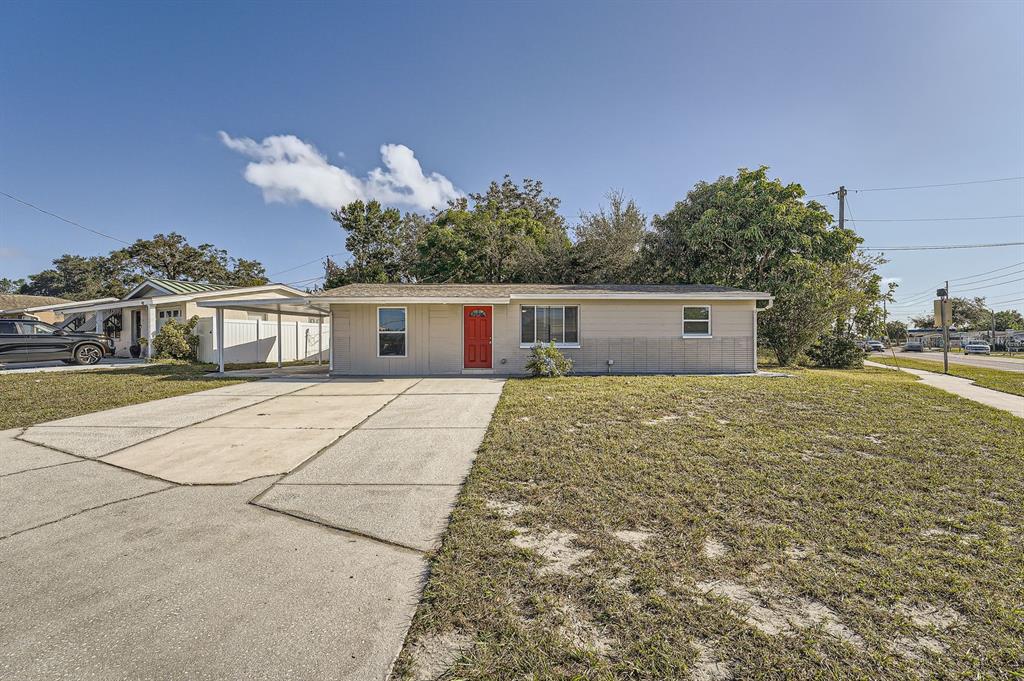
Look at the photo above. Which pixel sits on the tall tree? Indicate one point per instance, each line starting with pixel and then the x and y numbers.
pixel 11 285
pixel 376 240
pixel 166 256
pixel 511 233
pixel 608 242
pixel 752 232
pixel 1009 320
pixel 968 313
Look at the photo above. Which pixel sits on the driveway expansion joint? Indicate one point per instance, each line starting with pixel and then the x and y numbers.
pixel 86 510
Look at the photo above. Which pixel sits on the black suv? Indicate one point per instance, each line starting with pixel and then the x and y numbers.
pixel 28 340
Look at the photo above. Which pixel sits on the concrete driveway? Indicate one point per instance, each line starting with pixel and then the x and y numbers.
pixel 267 530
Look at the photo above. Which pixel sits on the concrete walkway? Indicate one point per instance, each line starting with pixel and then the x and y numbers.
pixel 112 569
pixel 964 388
pixel 61 367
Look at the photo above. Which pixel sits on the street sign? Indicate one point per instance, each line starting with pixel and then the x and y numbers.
pixel 937 306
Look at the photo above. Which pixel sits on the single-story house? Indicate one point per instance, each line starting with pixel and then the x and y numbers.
pixel 147 307
pixel 427 329
pixel 47 309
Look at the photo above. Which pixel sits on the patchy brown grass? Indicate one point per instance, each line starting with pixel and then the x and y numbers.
pixel 31 398
pixel 833 524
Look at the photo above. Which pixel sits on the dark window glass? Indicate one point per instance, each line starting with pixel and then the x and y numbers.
pixel 556 325
pixel 9 327
pixel 526 324
pixel 391 344
pixel 543 329
pixel 572 325
pixel 697 321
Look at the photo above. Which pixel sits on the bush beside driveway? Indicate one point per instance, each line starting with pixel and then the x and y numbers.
pixel 855 524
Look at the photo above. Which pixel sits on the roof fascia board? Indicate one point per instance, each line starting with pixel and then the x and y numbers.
pixel 408 300
pixel 723 295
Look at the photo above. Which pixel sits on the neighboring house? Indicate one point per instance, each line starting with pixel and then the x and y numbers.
pixel 141 313
pixel 423 329
pixel 43 308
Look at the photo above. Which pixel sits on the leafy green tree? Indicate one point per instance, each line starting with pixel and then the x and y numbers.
pixel 1007 320
pixel 968 314
pixel 11 285
pixel 508 234
pixel 375 240
pixel 755 233
pixel 77 277
pixel 170 256
pixel 895 331
pixel 167 256
pixel 608 242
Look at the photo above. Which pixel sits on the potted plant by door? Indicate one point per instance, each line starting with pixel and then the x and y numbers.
pixel 135 349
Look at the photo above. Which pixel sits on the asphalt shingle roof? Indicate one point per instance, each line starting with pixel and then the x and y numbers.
pixel 505 290
pixel 18 301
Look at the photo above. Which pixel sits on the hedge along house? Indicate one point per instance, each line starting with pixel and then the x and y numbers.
pixel 426 329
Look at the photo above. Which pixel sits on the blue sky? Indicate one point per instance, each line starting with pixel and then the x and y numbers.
pixel 110 115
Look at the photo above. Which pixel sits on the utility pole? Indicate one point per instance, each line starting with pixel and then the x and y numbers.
pixel 842 206
pixel 943 297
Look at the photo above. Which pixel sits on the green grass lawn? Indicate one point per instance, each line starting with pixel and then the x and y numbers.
pixel 1006 381
pixel 829 525
pixel 44 396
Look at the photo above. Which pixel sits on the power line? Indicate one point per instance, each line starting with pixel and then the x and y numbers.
pixel 922 186
pixel 946 184
pixel 999 276
pixel 304 281
pixel 70 222
pixel 998 269
pixel 939 248
pixel 290 269
pixel 978 288
pixel 983 217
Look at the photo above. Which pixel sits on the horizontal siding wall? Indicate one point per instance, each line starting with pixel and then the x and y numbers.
pixel 638 336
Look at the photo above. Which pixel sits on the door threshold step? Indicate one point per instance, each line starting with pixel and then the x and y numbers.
pixel 478 371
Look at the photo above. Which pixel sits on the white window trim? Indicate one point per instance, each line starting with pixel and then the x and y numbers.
pixel 683 319
pixel 526 346
pixel 405 312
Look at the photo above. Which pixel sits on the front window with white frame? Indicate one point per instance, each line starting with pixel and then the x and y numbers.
pixel 697 321
pixel 391 331
pixel 558 324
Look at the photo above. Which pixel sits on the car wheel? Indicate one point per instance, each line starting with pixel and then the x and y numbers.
pixel 88 354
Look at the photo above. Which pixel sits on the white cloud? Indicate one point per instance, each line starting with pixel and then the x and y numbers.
pixel 289 169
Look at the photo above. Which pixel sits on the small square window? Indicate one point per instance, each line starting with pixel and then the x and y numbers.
pixel 697 320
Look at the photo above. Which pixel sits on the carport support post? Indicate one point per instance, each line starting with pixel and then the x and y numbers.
pixel 330 340
pixel 99 321
pixel 218 338
pixel 280 340
pixel 320 339
pixel 150 329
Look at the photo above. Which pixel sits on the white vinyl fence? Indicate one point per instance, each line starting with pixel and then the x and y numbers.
pixel 249 340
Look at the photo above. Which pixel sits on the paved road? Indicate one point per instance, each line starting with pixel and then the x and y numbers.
pixel 1001 363
pixel 162 541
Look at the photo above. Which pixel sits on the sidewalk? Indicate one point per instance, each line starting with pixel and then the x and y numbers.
pixel 964 388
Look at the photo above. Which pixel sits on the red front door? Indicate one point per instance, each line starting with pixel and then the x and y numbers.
pixel 477 336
